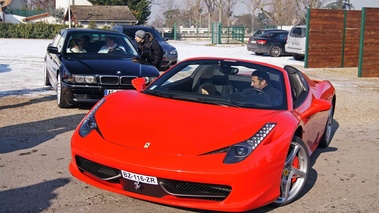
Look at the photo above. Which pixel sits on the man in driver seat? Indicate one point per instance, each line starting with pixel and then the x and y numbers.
pixel 260 80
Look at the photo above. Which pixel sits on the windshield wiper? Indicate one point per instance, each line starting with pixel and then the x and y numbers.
pixel 217 102
pixel 157 93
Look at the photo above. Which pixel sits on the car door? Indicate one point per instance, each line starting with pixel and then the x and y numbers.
pixel 303 98
pixel 53 59
pixel 281 39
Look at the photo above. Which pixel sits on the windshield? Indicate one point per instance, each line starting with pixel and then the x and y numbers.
pixel 227 83
pixel 100 43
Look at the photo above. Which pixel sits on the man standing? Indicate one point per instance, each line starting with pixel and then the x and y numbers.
pixel 150 50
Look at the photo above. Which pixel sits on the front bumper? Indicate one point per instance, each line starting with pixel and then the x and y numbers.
pixel 168 61
pixel 201 182
pixel 88 93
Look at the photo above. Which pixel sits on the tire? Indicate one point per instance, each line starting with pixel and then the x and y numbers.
pixel 298 57
pixel 61 99
pixel 46 75
pixel 327 136
pixel 276 51
pixel 295 172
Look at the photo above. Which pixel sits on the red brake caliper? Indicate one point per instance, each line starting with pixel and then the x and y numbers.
pixel 296 165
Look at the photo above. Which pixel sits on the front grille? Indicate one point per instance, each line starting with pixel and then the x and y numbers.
pixel 176 188
pixel 116 80
pixel 196 190
pixel 96 169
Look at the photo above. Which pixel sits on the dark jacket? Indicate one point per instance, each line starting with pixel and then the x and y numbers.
pixel 150 50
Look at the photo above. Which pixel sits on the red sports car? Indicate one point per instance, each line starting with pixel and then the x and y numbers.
pixel 210 133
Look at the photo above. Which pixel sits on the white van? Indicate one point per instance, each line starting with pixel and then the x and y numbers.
pixel 296 42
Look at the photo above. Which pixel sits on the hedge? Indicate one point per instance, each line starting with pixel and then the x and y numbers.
pixel 30 30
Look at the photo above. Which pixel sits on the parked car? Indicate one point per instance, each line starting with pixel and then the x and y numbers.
pixel 269 42
pixel 263 31
pixel 170 54
pixel 86 76
pixel 296 41
pixel 174 143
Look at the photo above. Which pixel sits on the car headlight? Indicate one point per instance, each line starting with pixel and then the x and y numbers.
pixel 148 80
pixel 241 151
pixel 173 52
pixel 84 79
pixel 89 124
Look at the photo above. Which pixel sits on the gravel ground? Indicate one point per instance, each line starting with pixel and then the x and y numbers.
pixel 35 140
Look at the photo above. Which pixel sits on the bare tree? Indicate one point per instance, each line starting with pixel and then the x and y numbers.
pixel 211 5
pixel 304 5
pixel 229 7
pixel 252 7
pixel 280 12
pixel 171 12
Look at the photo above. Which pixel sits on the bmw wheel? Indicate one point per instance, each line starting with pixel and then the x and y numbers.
pixel 327 136
pixel 275 51
pixel 61 99
pixel 295 172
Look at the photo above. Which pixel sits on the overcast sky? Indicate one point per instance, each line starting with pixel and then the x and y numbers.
pixel 358 4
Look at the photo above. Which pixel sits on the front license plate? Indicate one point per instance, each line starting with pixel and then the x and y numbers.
pixel 110 91
pixel 139 178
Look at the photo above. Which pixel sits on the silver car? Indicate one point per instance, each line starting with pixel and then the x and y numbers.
pixel 296 42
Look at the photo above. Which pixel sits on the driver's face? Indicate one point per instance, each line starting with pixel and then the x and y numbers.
pixel 256 83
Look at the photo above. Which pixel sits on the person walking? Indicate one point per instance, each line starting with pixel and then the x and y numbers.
pixel 150 50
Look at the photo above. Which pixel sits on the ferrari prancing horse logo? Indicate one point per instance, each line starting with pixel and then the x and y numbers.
pixel 146 145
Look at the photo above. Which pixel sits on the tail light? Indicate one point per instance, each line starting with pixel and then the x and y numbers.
pixel 261 41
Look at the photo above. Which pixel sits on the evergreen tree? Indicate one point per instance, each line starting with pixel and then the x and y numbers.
pixel 141 9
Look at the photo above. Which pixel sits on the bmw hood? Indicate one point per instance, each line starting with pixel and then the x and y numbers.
pixel 132 120
pixel 107 65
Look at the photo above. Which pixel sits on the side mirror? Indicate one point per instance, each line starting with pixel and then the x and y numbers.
pixel 318 105
pixel 53 50
pixel 139 84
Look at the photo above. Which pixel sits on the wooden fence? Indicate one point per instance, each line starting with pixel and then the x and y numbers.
pixel 338 38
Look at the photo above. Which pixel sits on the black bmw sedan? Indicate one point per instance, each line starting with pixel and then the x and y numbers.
pixel 84 65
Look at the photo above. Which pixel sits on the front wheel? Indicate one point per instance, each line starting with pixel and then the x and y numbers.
pixel 61 99
pixel 275 51
pixel 295 172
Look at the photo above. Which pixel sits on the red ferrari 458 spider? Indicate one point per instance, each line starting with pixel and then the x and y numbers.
pixel 211 133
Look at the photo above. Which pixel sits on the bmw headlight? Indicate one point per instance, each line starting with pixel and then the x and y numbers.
pixel 241 151
pixel 89 124
pixel 173 52
pixel 148 80
pixel 84 79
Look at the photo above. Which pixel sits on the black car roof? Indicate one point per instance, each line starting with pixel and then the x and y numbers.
pixel 86 30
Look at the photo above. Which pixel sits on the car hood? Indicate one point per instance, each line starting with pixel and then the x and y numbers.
pixel 165 46
pixel 107 66
pixel 132 119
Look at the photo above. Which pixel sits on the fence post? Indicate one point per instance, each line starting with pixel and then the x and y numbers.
pixel 361 43
pixel 307 37
pixel 344 39
pixel 174 31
